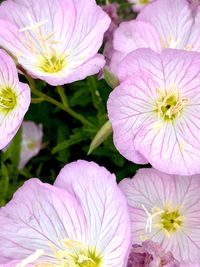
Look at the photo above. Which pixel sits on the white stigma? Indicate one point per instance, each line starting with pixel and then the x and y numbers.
pixel 150 218
pixel 31 259
pixel 33 25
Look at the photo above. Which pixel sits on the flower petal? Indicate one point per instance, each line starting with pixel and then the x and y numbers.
pixel 170 146
pixel 11 120
pixel 132 35
pixel 105 208
pixel 172 19
pixel 152 189
pixel 39 215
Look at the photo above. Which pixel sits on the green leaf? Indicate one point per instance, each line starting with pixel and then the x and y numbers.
pixel 4 183
pixel 13 150
pixel 101 136
pixel 96 97
pixel 75 138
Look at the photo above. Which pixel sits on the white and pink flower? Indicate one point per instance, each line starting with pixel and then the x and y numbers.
pixel 155 110
pixel 82 220
pixel 14 99
pixel 54 40
pixel 161 24
pixel 165 209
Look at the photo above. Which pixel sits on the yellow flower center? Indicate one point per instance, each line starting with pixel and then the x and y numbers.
pixel 74 254
pixel 43 46
pixel 53 64
pixel 171 221
pixel 144 2
pixel 169 105
pixel 8 99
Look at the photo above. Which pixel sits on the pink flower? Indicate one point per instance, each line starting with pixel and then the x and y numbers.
pixel 82 220
pixel 155 111
pixel 55 40
pixel 138 5
pixel 165 209
pixel 150 254
pixel 162 24
pixel 31 142
pixel 14 99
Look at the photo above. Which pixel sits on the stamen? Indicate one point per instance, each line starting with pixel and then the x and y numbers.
pixel 169 104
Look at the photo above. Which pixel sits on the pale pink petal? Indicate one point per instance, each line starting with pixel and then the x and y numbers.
pixel 132 35
pixel 172 19
pixel 152 189
pixel 170 146
pixel 104 206
pixel 39 216
pixel 10 120
pixel 70 31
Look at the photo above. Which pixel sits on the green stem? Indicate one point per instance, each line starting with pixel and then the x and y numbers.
pixel 63 106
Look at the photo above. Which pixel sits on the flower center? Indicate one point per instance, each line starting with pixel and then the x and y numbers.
pixel 143 2
pixel 171 221
pixel 74 254
pixel 43 46
pixel 8 99
pixel 53 64
pixel 169 105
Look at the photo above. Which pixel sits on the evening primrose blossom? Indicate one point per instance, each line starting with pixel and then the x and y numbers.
pixel 161 24
pixel 81 221
pixel 14 99
pixel 155 111
pixel 176 227
pixel 56 40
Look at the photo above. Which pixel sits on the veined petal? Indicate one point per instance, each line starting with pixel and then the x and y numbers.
pixel 172 19
pixel 14 99
pixel 128 110
pixel 132 35
pixel 169 80
pixel 152 191
pixel 91 24
pixel 104 207
pixel 55 42
pixel 24 221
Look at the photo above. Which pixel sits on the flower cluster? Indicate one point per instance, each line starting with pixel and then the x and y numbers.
pixel 86 219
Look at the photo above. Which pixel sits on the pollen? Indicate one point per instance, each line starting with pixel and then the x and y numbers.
pixel 171 221
pixel 53 64
pixel 8 99
pixel 169 105
pixel 73 254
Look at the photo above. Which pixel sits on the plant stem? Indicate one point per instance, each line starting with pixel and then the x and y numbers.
pixel 63 106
